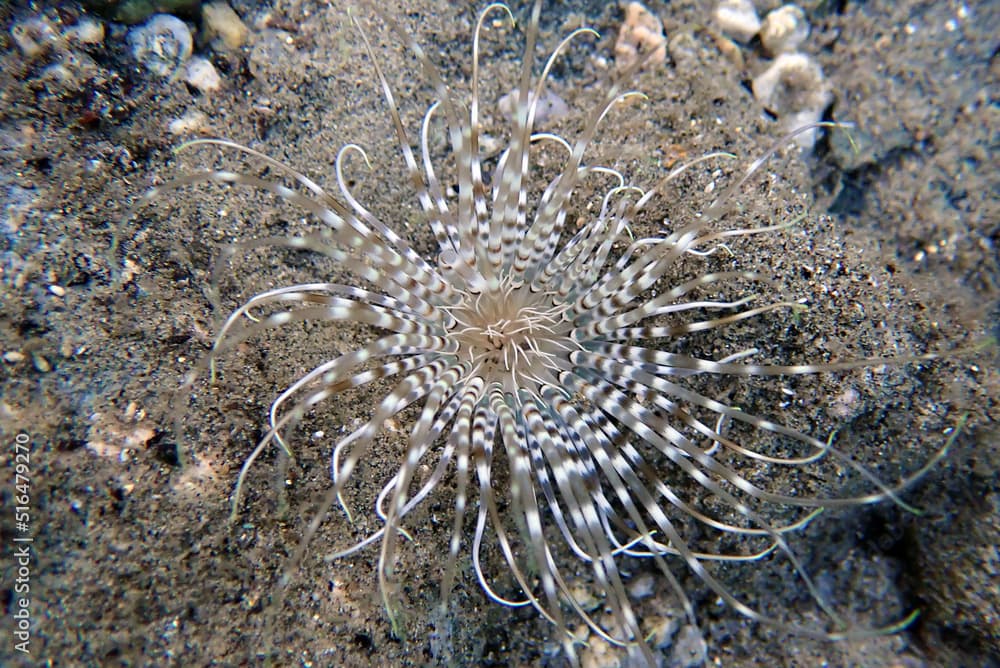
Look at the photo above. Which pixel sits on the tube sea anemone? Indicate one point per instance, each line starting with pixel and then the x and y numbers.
pixel 534 362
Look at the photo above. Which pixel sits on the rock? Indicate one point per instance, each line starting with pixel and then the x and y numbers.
pixel 223 26
pixel 684 49
pixel 800 119
pixel 738 19
pixel 640 34
pixel 162 45
pixel 793 89
pixel 41 364
pixel 14 357
pixel 599 654
pixel 202 74
pixel 784 29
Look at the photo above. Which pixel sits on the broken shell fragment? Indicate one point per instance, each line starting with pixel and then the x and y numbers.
pixel 784 30
pixel 793 88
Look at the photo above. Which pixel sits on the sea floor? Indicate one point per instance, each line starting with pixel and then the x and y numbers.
pixel 134 560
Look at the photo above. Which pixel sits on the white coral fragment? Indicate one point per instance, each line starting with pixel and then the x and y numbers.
pixel 793 88
pixel 737 19
pixel 639 34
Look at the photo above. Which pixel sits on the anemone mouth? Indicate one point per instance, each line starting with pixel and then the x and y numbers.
pixel 513 334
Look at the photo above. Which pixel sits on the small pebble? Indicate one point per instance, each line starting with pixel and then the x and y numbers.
pixel 202 74
pixel 784 30
pixel 689 648
pixel 585 598
pixel 684 49
pixel 223 26
pixel 87 31
pixel 162 44
pixel 599 654
pixel 57 290
pixel 41 364
pixel 72 72
pixel 642 587
pixel 192 122
pixel 738 19
pixel 13 357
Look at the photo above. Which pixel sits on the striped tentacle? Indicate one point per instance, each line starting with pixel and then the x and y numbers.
pixel 585 474
pixel 588 266
pixel 525 512
pixel 617 326
pixel 386 233
pixel 551 449
pixel 551 214
pixel 415 299
pixel 348 233
pixel 466 216
pixel 551 452
pixel 717 438
pixel 578 260
pixel 488 257
pixel 441 402
pixel 484 429
pixel 413 387
pixel 465 437
pixel 616 288
pixel 440 470
pixel 627 375
pixel 330 295
pixel 586 252
pixel 653 332
pixel 412 337
pixel 333 382
pixel 683 454
pixel 514 221
pixel 442 222
pixel 528 516
pixel 391 237
pixel 602 441
pixel 623 285
pixel 334 377
pixel 511 194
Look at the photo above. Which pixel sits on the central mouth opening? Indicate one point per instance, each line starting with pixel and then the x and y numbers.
pixel 511 333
